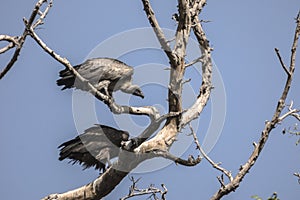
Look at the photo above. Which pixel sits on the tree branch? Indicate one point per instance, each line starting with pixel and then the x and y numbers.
pixel 167 135
pixel 183 28
pixel 106 182
pixel 22 38
pixel 112 177
pixel 194 62
pixel 214 165
pixel 43 15
pixel 13 41
pixel 164 139
pixel 281 62
pixel 269 126
pixel 134 191
pixel 291 112
pixel 298 176
pixel 197 6
pixel 190 162
pixel 158 31
pixel 195 110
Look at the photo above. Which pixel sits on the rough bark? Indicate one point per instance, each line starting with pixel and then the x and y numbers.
pixel 141 148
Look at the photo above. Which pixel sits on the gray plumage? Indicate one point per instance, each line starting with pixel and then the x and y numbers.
pixel 106 74
pixel 95 147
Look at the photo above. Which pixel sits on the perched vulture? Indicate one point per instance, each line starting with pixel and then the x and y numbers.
pixel 95 147
pixel 106 74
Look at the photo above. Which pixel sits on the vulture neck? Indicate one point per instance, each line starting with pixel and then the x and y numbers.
pixel 129 88
pixel 132 89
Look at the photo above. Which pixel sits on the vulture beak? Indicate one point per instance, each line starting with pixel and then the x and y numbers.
pixel 139 93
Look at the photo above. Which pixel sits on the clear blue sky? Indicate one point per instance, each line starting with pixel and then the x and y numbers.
pixel 35 116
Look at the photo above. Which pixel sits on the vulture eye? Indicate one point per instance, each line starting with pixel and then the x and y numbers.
pixel 138 92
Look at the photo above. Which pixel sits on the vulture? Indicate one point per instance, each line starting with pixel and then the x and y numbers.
pixel 105 74
pixel 95 147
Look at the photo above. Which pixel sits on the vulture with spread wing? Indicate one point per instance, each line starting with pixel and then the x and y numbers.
pixel 106 74
pixel 95 147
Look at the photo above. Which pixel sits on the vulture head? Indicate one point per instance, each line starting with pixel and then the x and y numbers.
pixel 135 90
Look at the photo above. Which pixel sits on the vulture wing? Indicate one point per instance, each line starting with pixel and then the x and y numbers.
pixel 95 147
pixel 96 70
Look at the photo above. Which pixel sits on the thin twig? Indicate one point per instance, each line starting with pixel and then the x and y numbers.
pixel 163 196
pixel 281 62
pixel 190 162
pixel 221 180
pixel 151 190
pixel 214 165
pixel 186 81
pixel 194 62
pixel 296 115
pixel 22 38
pixel 298 176
pixel 293 112
pixel 13 41
pixel 43 15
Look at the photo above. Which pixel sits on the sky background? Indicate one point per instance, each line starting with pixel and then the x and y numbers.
pixel 36 117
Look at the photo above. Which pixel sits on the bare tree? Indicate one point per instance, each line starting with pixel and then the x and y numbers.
pixel 142 148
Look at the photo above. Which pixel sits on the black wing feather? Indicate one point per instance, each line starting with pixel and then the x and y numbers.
pixel 94 147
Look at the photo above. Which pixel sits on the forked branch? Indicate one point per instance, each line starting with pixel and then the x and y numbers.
pixel 19 43
pixel 151 190
pixel 204 93
pixel 107 181
pixel 165 138
pixel 213 164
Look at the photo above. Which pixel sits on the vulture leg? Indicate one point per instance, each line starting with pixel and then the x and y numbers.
pixel 102 86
